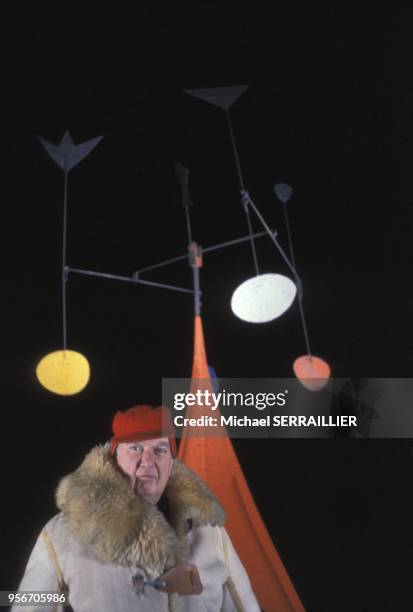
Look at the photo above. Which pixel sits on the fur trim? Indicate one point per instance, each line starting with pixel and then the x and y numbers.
pixel 104 513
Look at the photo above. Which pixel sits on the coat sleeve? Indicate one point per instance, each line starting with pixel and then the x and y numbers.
pixel 238 594
pixel 39 575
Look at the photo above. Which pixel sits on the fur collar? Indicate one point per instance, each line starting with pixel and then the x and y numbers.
pixel 105 514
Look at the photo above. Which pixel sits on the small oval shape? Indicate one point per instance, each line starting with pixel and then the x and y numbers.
pixel 63 372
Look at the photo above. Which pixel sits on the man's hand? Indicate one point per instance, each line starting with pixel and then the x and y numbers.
pixel 182 579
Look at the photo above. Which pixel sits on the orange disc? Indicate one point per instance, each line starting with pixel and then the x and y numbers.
pixel 312 372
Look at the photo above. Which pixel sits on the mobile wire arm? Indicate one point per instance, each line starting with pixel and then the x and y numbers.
pixel 247 201
pixel 136 276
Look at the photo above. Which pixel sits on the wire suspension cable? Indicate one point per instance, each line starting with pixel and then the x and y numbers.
pixel 251 237
pixel 300 295
pixel 235 150
pixel 64 273
pixel 290 240
pixel 241 183
pixel 300 305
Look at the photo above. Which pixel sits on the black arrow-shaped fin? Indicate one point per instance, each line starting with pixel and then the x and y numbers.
pixel 182 175
pixel 67 154
pixel 223 97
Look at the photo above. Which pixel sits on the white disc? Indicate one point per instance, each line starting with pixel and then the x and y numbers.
pixel 263 298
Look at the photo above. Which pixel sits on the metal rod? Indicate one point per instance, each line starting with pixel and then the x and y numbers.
pixel 197 291
pixel 163 286
pixel 127 279
pixel 222 245
pixel 163 263
pixel 304 324
pixel 64 274
pixel 290 240
pixel 235 150
pixel 300 296
pixel 214 247
pixel 254 252
pixel 241 182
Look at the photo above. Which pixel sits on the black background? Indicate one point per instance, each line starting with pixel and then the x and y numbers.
pixel 329 110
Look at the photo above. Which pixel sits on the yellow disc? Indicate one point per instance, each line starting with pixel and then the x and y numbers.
pixel 63 372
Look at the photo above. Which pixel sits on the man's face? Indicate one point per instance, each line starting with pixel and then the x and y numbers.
pixel 148 464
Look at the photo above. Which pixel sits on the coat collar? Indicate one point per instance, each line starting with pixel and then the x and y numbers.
pixel 103 513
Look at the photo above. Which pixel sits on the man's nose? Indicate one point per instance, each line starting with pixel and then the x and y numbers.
pixel 147 456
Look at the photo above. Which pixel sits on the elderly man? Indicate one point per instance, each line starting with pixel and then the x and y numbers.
pixel 138 531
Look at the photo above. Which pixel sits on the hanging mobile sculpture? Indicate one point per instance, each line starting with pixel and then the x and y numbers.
pixel 313 372
pixel 65 371
pixel 266 296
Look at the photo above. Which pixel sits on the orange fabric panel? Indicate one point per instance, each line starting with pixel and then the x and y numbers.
pixel 214 459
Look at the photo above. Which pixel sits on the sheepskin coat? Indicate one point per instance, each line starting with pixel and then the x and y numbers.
pixel 105 535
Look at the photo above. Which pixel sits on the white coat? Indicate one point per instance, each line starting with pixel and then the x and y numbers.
pixel 105 534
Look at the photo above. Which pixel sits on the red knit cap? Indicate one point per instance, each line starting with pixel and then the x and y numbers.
pixel 143 423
